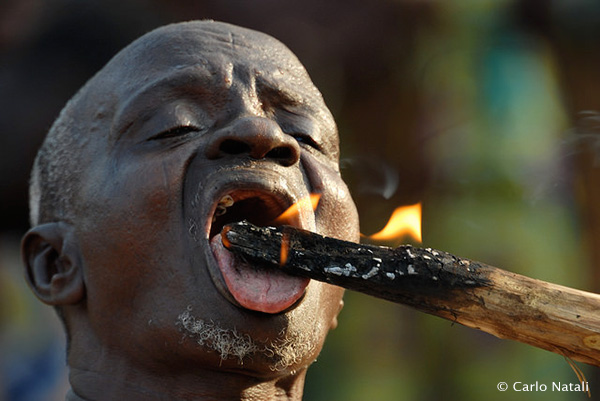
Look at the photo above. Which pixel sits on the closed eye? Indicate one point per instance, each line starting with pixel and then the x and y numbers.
pixel 307 140
pixel 175 132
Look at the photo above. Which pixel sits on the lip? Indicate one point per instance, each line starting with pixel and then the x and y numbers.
pixel 267 190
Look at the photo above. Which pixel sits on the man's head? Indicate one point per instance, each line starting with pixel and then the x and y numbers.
pixel 191 126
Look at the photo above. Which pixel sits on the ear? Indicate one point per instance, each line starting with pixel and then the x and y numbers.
pixel 53 264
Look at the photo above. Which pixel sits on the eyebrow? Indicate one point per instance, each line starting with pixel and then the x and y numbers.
pixel 309 99
pixel 185 81
pixel 282 93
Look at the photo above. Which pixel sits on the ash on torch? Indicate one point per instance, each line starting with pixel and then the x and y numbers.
pixel 508 305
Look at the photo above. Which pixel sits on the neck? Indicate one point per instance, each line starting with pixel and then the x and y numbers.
pixel 202 385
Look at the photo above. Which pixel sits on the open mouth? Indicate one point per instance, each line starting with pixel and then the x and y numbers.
pixel 252 286
pixel 257 207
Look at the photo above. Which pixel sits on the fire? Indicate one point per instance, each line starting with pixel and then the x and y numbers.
pixel 406 220
pixel 285 248
pixel 307 202
pixel 311 201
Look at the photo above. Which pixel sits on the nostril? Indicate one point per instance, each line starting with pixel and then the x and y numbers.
pixel 254 137
pixel 233 147
pixel 280 153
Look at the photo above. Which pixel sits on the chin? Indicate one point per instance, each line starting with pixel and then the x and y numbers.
pixel 261 345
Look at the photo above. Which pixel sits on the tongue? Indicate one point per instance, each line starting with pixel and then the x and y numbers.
pixel 257 288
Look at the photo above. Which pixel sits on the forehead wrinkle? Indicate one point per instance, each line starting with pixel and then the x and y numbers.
pixel 231 36
pixel 243 93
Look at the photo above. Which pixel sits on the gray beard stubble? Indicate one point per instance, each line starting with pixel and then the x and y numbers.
pixel 289 349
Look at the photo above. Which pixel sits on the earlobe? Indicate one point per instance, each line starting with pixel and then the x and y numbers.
pixel 53 264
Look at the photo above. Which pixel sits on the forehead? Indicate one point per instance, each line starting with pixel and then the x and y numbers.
pixel 200 57
pixel 210 53
pixel 186 44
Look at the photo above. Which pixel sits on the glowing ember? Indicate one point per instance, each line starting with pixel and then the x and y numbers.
pixel 309 202
pixel 406 220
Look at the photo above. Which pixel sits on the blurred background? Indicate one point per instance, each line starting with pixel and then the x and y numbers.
pixel 487 112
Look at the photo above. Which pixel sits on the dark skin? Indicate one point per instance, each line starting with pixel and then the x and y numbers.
pixel 183 117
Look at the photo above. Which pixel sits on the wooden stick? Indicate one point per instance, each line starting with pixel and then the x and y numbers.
pixel 508 305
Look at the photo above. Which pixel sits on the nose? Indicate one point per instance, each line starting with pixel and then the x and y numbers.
pixel 257 137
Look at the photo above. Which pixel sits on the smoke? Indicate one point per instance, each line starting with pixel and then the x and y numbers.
pixel 554 179
pixel 371 176
pixel 586 133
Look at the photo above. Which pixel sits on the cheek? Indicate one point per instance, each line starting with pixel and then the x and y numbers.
pixel 130 241
pixel 336 215
pixel 311 321
pixel 331 303
pixel 133 210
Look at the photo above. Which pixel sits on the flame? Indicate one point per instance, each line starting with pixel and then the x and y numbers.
pixel 285 248
pixel 406 220
pixel 310 201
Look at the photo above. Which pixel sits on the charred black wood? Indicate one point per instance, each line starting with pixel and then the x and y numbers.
pixel 406 274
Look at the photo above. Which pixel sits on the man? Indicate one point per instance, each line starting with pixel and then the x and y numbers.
pixel 190 127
